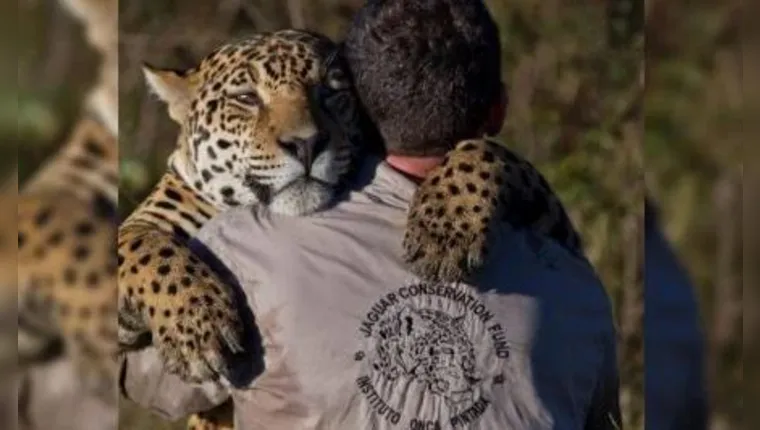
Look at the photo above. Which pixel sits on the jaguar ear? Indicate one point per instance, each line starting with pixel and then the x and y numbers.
pixel 173 87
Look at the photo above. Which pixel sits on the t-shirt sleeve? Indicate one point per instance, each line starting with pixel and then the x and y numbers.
pixel 145 381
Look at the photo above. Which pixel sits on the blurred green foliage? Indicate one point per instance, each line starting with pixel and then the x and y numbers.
pixel 694 120
pixel 54 68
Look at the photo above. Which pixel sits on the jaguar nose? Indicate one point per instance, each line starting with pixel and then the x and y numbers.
pixel 306 150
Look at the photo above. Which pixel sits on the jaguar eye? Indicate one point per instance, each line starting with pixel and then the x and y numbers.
pixel 249 98
pixel 336 79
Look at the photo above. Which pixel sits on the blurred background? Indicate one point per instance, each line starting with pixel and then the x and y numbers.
pixel 694 119
pixel 577 93
pixel 55 68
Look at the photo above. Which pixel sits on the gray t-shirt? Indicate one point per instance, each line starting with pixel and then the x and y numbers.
pixel 352 340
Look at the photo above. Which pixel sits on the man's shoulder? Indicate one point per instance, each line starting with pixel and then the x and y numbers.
pixel 524 247
pixel 537 265
pixel 259 234
pixel 243 224
pixel 242 231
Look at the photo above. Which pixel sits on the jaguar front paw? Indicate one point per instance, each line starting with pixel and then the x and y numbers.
pixel 458 206
pixel 189 312
pixel 452 213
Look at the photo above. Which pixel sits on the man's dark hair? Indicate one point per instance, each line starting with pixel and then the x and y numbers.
pixel 427 71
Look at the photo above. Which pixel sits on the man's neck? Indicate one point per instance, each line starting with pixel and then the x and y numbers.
pixel 416 168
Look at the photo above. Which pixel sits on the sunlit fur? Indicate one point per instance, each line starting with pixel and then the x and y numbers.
pixel 245 105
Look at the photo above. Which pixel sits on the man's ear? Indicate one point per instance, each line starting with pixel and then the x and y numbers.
pixel 497 114
pixel 173 87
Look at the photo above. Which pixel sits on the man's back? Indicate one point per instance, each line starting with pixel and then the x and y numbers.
pixel 351 340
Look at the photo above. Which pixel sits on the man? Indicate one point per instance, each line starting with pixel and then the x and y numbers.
pixel 351 340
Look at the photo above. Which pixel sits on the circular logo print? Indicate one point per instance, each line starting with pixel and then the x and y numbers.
pixel 439 339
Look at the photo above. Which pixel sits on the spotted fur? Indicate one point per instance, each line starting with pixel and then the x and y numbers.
pixel 66 257
pixel 66 222
pixel 479 185
pixel 266 120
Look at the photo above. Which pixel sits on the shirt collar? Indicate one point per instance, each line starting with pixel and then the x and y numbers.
pixel 379 180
